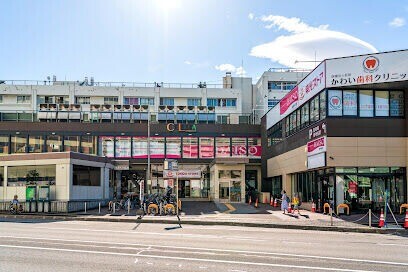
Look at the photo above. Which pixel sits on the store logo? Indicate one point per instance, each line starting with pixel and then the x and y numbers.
pixel 181 127
pixel 371 64
pixel 335 102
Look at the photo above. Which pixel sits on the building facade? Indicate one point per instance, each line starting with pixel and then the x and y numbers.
pixel 341 135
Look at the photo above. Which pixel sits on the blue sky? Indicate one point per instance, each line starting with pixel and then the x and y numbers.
pixel 188 41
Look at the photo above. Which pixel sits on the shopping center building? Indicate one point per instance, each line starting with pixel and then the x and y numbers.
pixel 76 141
pixel 341 135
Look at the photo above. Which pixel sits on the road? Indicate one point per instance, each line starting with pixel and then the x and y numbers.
pixel 106 246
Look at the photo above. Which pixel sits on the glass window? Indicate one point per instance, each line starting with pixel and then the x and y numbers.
pixel 254 147
pixel 131 101
pixel 1 176
pixel 366 103
pixel 1 98
pixel 123 147
pixel 350 103
pixel 167 101
pixel 272 103
pixel 106 146
pixel 314 109
pixel 157 147
pixel 111 100
pixel 88 144
pixel 18 144
pixel 222 147
pixel 82 100
pixel 382 103
pixel 222 102
pixel 239 147
pixel 35 144
pixel 335 103
pixel 292 120
pixel 272 85
pixel 322 108
pixel 31 175
pixel 287 126
pixel 139 147
pixel 86 175
pixel 397 103
pixel 173 147
pixel 54 143
pixel 193 101
pixel 206 147
pixel 71 143
pixel 298 117
pixel 190 147
pixel 4 144
pixel 305 115
pixel 23 99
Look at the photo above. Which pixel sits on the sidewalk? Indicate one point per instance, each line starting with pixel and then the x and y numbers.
pixel 208 213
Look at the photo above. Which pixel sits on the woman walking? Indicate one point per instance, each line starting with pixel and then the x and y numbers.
pixel 284 205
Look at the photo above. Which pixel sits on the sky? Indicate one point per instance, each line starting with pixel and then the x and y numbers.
pixel 188 41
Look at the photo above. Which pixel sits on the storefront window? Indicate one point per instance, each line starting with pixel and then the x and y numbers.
pixel 350 103
pixel 123 147
pixel 382 103
pixel 1 176
pixel 35 144
pixel 18 144
pixel 314 109
pixel 157 147
pixel 86 175
pixel 139 147
pixel 397 103
pixel 4 145
pixel 366 103
pixel 305 115
pixel 335 102
pixel 54 143
pixel 206 147
pixel 254 147
pixel 88 144
pixel 107 146
pixel 298 119
pixel 31 175
pixel 222 147
pixel 71 143
pixel 322 108
pixel 239 147
pixel 190 147
pixel 173 147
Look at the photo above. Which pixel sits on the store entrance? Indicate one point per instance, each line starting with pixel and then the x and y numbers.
pixel 130 182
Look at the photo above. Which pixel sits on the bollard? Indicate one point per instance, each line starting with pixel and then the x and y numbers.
pixel 331 216
pixel 128 206
pixel 369 218
pixel 114 207
pixel 85 207
pixel 99 207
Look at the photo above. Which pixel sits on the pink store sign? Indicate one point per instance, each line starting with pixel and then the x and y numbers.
pixel 317 146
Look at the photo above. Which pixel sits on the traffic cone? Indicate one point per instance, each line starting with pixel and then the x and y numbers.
pixel 289 207
pixel 313 207
pixel 381 223
pixel 271 203
pixel 275 203
pixel 406 220
pixel 250 201
pixel 256 203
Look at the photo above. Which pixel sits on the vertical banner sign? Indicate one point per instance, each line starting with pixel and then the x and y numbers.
pixel 141 190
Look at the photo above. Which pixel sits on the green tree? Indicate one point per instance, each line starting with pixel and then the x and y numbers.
pixel 32 177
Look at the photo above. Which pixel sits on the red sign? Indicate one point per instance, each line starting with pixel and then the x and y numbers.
pixel 289 101
pixel 316 146
pixel 352 188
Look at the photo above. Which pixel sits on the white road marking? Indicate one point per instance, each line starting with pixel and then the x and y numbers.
pixel 216 250
pixel 187 259
pixel 136 260
pixel 149 263
pixel 202 267
pixel 234 270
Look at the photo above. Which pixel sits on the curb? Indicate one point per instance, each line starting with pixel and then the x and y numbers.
pixel 205 223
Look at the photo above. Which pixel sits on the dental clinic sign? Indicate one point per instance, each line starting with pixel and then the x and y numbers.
pixel 367 69
pixel 306 89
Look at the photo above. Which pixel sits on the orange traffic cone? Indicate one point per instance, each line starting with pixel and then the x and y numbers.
pixel 313 207
pixel 271 203
pixel 406 220
pixel 256 203
pixel 275 202
pixel 250 201
pixel 381 223
pixel 290 207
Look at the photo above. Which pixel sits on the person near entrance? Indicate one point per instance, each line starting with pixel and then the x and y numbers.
pixel 296 202
pixel 284 203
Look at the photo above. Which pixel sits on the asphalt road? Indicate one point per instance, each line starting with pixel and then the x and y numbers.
pixel 104 246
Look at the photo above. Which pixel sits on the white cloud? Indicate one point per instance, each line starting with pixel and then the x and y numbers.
pixel 203 64
pixel 251 16
pixel 397 22
pixel 187 62
pixel 304 41
pixel 226 67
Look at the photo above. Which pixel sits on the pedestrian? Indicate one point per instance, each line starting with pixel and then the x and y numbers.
pixel 284 203
pixel 296 202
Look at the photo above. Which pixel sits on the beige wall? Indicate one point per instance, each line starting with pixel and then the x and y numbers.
pixel 215 181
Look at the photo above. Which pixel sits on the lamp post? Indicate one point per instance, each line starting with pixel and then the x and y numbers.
pixel 148 149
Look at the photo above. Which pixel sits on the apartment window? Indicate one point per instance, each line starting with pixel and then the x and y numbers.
pixel 46 99
pixel 147 101
pixel 272 103
pixel 110 100
pixel 167 101
pixel 222 102
pixel 193 101
pixel 138 101
pixel 82 100
pixel 1 99
pixel 23 99
pixel 272 85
